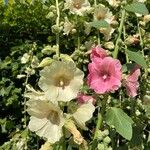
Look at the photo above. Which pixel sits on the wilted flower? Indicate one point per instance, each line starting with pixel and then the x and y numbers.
pixel 68 26
pixel 132 40
pixel 61 81
pixel 82 99
pixel 78 7
pixel 46 119
pixel 97 52
pixel 131 82
pixel 104 75
pixel 84 113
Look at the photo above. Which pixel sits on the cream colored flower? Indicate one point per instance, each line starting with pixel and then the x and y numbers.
pixel 68 26
pixel 46 119
pixel 33 94
pixel 107 32
pixel 114 3
pixel 61 81
pixel 103 13
pixel 78 7
pixel 84 113
pixel 25 58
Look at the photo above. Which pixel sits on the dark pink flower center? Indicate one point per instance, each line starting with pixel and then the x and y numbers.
pixel 105 76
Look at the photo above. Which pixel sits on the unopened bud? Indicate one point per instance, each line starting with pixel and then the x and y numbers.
pixel 114 24
pixel 132 40
pixel 101 146
pixel 56 29
pixel 109 45
pixel 50 15
pixel 45 62
pixel 107 140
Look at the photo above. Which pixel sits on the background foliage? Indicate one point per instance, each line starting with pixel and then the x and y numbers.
pixel 27 27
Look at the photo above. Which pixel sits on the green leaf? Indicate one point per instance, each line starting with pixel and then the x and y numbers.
pixel 137 7
pixel 117 118
pixel 99 24
pixel 137 57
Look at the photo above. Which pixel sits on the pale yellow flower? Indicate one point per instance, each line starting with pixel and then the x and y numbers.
pixel 61 81
pixel 46 120
pixel 103 13
pixel 84 113
pixel 68 26
pixel 114 3
pixel 78 7
pixel 33 94
pixel 107 32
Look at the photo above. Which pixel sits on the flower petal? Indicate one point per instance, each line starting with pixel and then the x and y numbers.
pixel 84 113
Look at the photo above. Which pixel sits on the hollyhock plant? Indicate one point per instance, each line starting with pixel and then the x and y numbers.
pixel 131 82
pixel 104 75
pixel 78 7
pixel 83 114
pixel 98 52
pixel 46 119
pixel 61 81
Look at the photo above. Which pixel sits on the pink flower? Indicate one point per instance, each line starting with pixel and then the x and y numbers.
pixel 104 75
pixel 81 98
pixel 131 82
pixel 98 52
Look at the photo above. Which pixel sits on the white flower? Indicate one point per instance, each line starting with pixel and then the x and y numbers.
pixel 61 81
pixel 46 119
pixel 33 94
pixel 103 13
pixel 78 7
pixel 114 3
pixel 84 113
pixel 107 32
pixel 68 26
pixel 25 58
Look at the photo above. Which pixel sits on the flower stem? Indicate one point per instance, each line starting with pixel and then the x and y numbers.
pixel 98 125
pixel 99 121
pixel 142 45
pixel 115 53
pixel 124 36
pixel 57 23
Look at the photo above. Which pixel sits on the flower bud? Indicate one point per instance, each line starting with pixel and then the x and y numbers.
pixel 50 15
pixel 109 45
pixel 107 140
pixel 73 31
pixel 105 132
pixel 56 29
pixel 45 62
pixel 131 40
pixel 101 146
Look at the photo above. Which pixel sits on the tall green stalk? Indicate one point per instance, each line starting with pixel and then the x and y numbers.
pixel 57 24
pixel 116 50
